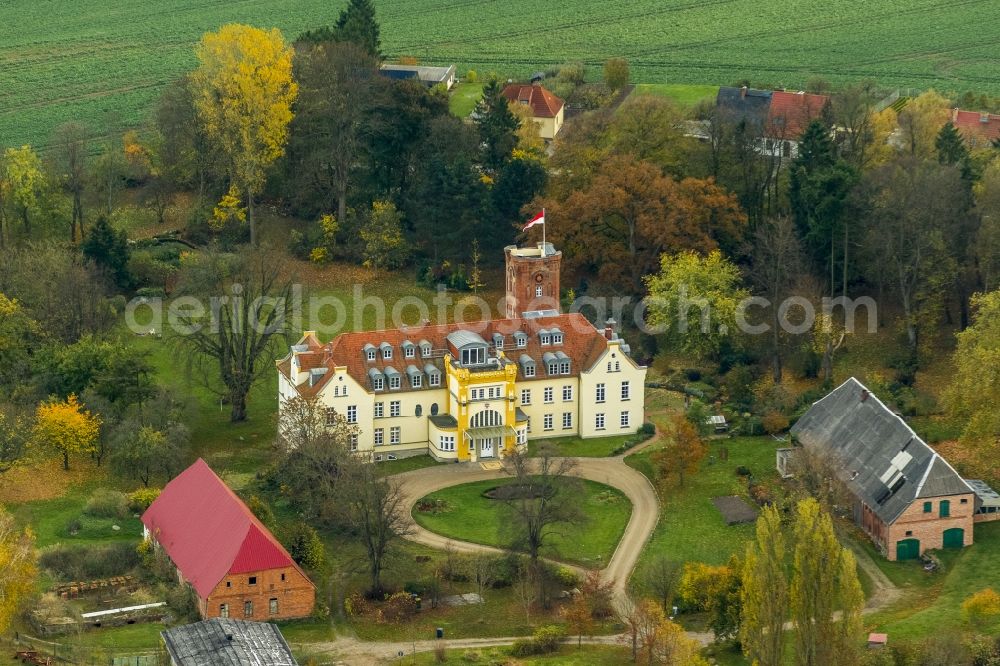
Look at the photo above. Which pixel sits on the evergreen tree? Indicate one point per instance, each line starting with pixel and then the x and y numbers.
pixel 951 149
pixel 818 189
pixel 108 249
pixel 497 126
pixel 356 23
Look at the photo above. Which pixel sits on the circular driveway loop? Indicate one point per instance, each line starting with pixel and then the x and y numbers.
pixel 613 472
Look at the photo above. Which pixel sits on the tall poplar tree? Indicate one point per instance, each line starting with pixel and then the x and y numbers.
pixel 765 592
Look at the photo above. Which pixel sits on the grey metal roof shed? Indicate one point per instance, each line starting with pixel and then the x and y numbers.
pixel 227 642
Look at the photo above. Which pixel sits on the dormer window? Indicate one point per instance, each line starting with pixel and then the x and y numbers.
pixel 416 377
pixel 370 352
pixel 474 356
pixel 557 336
pixel 544 338
pixel 409 350
pixel 551 363
pixel 386 350
pixel 498 340
pixel 433 375
pixel 538 291
pixel 527 365
pixel 425 349
pixel 521 340
pixel 393 377
pixel 563 361
pixel 377 379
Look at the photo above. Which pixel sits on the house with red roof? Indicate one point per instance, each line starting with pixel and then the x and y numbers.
pixel 235 565
pixel 475 390
pixel 980 130
pixel 778 116
pixel 546 109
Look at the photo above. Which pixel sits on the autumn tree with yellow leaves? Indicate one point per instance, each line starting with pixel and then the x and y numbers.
pixel 17 567
pixel 66 427
pixel 243 93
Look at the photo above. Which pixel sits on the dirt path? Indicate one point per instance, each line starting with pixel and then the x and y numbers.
pixel 609 471
pixel 884 591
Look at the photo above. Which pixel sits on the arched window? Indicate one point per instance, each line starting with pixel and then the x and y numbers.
pixel 434 409
pixel 420 410
pixel 486 418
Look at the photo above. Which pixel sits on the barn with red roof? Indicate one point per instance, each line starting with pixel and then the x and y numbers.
pixel 235 565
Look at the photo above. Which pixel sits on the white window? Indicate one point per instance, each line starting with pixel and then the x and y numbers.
pixel 498 342
pixel 615 366
pixel 331 416
pixel 425 351
pixel 557 338
pixel 544 338
pixel 522 436
pixel 435 379
pixel 371 354
pixel 474 356
pixel 352 413
pixel 386 352
pixel 379 410
pixel 272 606
pixel 538 291
pixel 564 367
pixel 379 437
pixel 354 442
pixel 529 370
pixel 528 426
pixel 525 396
pixel 567 420
pixel 547 422
pixel 394 408
pixel 625 419
pixel 394 382
pixel 447 443
pixel 416 381
pixel 474 394
pixel 625 391
pixel 599 421
pixel 547 395
pixel 522 341
pixel 409 352
pixel 394 435
pixel 567 393
pixel 377 383
pixel 599 393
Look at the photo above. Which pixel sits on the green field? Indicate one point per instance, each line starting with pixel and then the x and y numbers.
pixel 93 58
pixel 471 517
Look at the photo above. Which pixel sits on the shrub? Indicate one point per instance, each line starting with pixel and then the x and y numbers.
pixel 548 638
pixel 774 422
pixel 356 605
pixel 182 600
pixel 105 503
pixel 761 494
pixel 397 607
pixel 981 607
pixel 139 500
pixel 304 545
pixel 700 585
pixel 88 562
pixel 692 374
pixel 471 76
pixel 567 577
pixel 647 429
pixel 743 470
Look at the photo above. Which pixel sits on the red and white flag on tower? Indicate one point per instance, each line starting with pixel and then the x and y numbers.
pixel 538 219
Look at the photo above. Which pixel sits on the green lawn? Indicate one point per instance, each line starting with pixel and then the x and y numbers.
pixel 390 467
pixel 472 517
pixel 690 527
pixel 463 98
pixel 594 447
pixel 683 94
pixel 50 520
pixel 933 602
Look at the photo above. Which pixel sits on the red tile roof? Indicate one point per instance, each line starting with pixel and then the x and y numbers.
pixel 208 532
pixel 582 343
pixel 543 103
pixel 979 129
pixel 790 113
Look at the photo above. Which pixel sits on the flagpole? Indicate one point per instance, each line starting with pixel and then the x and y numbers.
pixel 543 232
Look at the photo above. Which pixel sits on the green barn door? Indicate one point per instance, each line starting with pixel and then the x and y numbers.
pixel 907 549
pixel 954 538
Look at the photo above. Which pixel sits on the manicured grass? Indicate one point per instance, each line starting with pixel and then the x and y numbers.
pixel 390 467
pixel 594 447
pixel 463 98
pixel 131 636
pixel 50 519
pixel 472 517
pixel 690 527
pixel 683 94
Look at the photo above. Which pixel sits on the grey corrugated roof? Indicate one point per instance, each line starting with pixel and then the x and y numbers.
pixel 461 338
pixel 227 642
pixel 864 438
pixel 443 420
pixel 735 105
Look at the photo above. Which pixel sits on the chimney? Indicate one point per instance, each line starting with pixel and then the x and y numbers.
pixel 743 92
pixel 609 329
pixel 954 115
pixel 984 117
pixel 864 395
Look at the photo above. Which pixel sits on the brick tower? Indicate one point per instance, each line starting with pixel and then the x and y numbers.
pixel 532 278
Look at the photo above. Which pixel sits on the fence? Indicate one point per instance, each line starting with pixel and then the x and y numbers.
pixel 82 655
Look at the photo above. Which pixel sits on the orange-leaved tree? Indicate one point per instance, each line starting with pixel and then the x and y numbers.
pixel 66 427
pixel 682 453
pixel 17 567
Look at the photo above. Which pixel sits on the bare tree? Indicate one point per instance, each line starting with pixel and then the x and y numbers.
pixel 661 578
pixel 526 589
pixel 234 340
pixel 71 163
pixel 540 500
pixel 481 569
